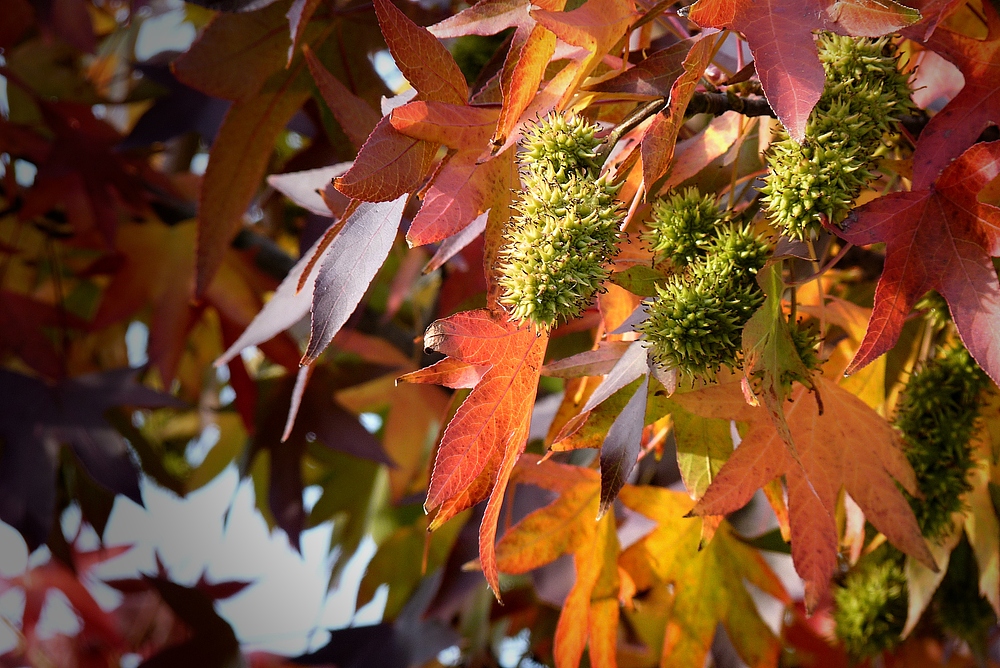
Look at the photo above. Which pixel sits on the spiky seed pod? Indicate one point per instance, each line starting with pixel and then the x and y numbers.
pixel 695 325
pixel 819 179
pixel 563 143
pixel 735 250
pixel 566 229
pixel 683 226
pixel 937 416
pixel 806 340
pixel 870 606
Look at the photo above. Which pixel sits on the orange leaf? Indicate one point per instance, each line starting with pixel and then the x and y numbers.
pixel 489 431
pixel 848 445
pixel 567 526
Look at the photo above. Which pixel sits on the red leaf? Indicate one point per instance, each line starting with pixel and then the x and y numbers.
pixel 239 158
pixel 236 53
pixel 848 445
pixel 652 77
pixel 659 140
pixel 462 189
pixel 977 105
pixel 531 48
pixel 488 433
pixel 422 59
pixel 938 237
pixel 779 33
pixel 388 165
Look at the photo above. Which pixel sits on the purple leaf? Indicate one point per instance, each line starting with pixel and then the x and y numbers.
pixel 354 257
pixel 620 449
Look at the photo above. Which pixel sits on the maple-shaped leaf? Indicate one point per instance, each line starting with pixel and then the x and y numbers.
pixel 488 433
pixel 212 644
pixel 81 173
pixel 567 526
pixel 707 582
pixel 461 189
pixel 38 418
pixel 937 237
pixel 780 35
pixel 847 446
pixel 977 105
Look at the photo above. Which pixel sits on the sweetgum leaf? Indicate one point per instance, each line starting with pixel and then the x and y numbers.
pixel 938 237
pixel 708 582
pixel 353 259
pixel 489 431
pixel 462 188
pixel 977 105
pixel 779 33
pixel 38 418
pixel 848 445
pixel 531 48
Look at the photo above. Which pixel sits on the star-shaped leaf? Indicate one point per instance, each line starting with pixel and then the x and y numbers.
pixel 707 583
pixel 937 237
pixel 488 433
pixel 568 526
pixel 977 105
pixel 847 445
pixel 38 418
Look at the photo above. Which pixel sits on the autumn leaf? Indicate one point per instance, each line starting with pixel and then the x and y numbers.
pixel 390 164
pixel 660 138
pixel 531 48
pixel 595 28
pixel 956 127
pixel 779 33
pixel 707 583
pixel 937 237
pixel 488 433
pixel 462 188
pixel 848 445
pixel 567 526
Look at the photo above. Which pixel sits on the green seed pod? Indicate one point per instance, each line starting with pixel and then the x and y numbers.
pixel 560 145
pixel 696 323
pixel 937 416
pixel 870 606
pixel 736 251
pixel 683 226
pixel 819 179
pixel 566 229
pixel 806 340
